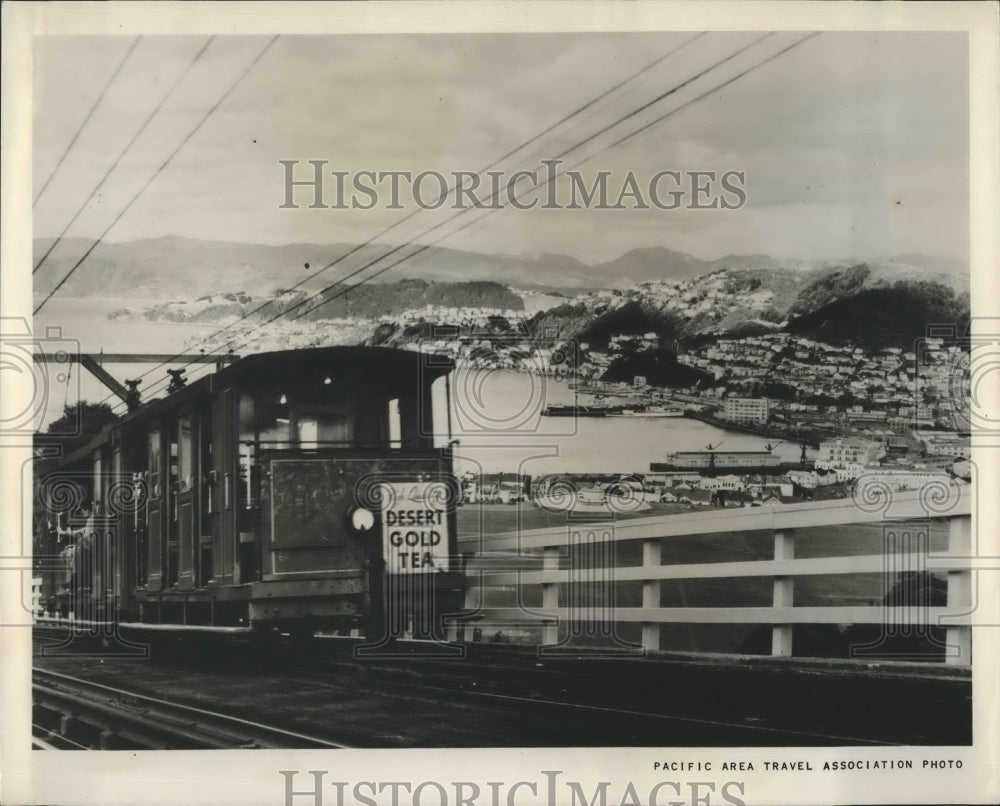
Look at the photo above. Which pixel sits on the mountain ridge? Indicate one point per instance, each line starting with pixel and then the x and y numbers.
pixel 172 267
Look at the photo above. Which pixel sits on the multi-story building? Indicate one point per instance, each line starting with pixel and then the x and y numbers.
pixel 959 448
pixel 946 443
pixel 902 478
pixel 727 482
pixel 844 451
pixel 746 410
pixel 720 459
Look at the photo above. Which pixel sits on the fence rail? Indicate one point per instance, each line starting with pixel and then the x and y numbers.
pixel 533 559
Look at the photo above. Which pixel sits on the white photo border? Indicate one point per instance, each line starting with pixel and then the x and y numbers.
pixel 248 778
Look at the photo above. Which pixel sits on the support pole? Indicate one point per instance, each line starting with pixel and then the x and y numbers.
pixel 959 637
pixel 784 593
pixel 651 595
pixel 550 596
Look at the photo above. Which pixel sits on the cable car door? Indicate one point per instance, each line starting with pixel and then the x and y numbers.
pixel 154 511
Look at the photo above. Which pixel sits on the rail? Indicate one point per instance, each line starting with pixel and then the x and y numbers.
pixel 569 563
pixel 83 714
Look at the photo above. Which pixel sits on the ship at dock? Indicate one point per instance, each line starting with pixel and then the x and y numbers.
pixel 651 411
pixel 578 411
pixel 610 411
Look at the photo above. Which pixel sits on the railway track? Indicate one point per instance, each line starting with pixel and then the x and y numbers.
pixel 397 699
pixel 556 695
pixel 72 713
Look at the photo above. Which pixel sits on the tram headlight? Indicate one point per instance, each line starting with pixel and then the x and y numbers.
pixel 361 520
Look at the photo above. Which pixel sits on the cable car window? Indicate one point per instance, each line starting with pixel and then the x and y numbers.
pixel 309 434
pixel 247 450
pixel 439 411
pixel 324 425
pixel 98 484
pixel 173 468
pixel 274 419
pixel 395 425
pixel 371 423
pixel 208 502
pixel 153 457
pixel 185 437
pixel 248 425
pixel 414 424
pixel 248 464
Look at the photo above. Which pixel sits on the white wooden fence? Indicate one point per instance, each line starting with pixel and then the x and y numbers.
pixel 511 559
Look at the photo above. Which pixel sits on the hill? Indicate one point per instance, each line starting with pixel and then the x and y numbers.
pixel 889 316
pixel 372 300
pixel 658 367
pixel 853 303
pixel 675 295
pixel 829 287
pixel 634 318
pixel 368 301
pixel 654 263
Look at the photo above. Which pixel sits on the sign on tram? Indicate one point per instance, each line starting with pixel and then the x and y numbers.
pixel 415 528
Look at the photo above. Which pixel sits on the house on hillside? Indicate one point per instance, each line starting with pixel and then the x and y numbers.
pixel 698 498
pixel 727 482
pixel 737 498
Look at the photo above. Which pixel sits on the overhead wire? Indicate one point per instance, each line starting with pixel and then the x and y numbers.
pixel 697 98
pixel 437 226
pixel 559 172
pixel 423 248
pixel 161 168
pixel 534 138
pixel 86 119
pixel 670 113
pixel 128 147
pixel 498 160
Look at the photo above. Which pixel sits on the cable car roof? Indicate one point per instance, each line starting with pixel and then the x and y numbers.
pixel 356 367
pixel 351 362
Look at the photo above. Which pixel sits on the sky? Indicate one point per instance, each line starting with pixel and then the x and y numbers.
pixel 853 145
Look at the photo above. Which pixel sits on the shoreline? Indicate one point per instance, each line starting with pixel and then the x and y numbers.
pixel 811 438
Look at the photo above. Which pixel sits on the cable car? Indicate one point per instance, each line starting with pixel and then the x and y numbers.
pixel 297 490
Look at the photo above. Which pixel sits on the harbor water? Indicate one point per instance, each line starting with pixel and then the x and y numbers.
pixel 496 415
pixel 497 418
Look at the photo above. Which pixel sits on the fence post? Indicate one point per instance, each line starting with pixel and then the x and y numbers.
pixel 959 637
pixel 473 596
pixel 651 595
pixel 784 592
pixel 550 595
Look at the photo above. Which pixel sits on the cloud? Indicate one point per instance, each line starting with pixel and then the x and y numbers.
pixel 830 135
